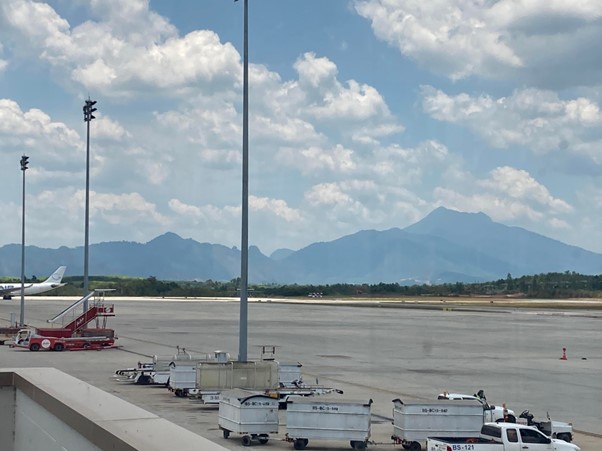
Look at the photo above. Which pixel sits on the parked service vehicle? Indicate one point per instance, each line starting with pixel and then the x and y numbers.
pixel 414 422
pixel 502 437
pixel 554 429
pixel 491 413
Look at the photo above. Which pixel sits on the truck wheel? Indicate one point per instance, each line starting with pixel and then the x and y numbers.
pixel 34 347
pixel 415 446
pixel 300 443
pixel 58 347
pixel 246 440
pixel 225 433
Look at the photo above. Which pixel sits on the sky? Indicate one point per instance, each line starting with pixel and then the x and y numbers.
pixel 363 114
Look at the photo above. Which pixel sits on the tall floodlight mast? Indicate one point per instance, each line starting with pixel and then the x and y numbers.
pixel 24 163
pixel 88 116
pixel 244 251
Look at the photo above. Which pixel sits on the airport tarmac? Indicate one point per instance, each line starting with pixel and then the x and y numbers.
pixel 370 353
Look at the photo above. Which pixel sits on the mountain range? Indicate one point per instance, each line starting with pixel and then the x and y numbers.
pixel 444 247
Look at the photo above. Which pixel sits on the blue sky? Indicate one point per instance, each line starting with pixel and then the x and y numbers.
pixel 364 114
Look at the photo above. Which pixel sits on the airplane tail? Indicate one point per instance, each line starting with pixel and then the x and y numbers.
pixel 57 275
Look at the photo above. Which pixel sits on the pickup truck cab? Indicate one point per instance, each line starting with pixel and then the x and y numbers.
pixel 491 413
pixel 502 437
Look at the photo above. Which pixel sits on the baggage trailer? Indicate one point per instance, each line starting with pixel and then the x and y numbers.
pixel 255 415
pixel 214 377
pixel 414 422
pixel 328 419
pixel 74 335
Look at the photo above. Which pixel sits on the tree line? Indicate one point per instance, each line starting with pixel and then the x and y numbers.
pixel 541 286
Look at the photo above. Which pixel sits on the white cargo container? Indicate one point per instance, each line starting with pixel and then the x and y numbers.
pixel 414 422
pixel 250 413
pixel 327 419
pixel 182 376
pixel 289 374
pixel 248 375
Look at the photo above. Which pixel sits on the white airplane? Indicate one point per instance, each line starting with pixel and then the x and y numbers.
pixel 7 291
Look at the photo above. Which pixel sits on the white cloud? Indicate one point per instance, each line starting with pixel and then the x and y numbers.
pixel 537 40
pixel 277 207
pixel 34 128
pixel 539 120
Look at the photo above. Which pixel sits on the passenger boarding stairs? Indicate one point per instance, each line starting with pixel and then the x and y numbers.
pixel 97 310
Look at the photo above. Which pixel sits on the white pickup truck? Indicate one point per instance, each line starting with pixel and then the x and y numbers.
pixel 502 437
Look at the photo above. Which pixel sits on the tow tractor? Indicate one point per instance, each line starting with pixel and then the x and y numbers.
pixel 74 335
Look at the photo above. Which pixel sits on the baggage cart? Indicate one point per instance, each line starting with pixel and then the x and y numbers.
pixel 414 422
pixel 327 419
pixel 253 414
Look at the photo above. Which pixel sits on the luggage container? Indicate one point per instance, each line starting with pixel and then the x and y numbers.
pixel 252 414
pixel 214 377
pixel 414 422
pixel 327 419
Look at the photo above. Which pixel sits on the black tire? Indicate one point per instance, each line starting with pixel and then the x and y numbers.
pixel 263 439
pixel 415 446
pixel 143 380
pixel 300 443
pixel 246 440
pixel 34 347
pixel 58 347
pixel 226 433
pixel 358 445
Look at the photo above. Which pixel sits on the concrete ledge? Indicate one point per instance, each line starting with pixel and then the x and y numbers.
pixel 104 420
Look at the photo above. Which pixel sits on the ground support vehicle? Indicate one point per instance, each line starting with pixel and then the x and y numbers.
pixel 554 429
pixel 214 377
pixel 491 413
pixel 75 335
pixel 414 422
pixel 254 415
pixel 502 437
pixel 324 419
pixel 157 372
pixel 182 372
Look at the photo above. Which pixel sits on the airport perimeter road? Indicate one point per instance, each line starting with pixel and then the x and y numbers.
pixel 370 353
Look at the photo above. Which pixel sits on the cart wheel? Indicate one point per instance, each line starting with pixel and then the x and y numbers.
pixel 415 446
pixel 358 445
pixel 58 347
pixel 300 443
pixel 225 433
pixel 263 439
pixel 246 440
pixel 34 347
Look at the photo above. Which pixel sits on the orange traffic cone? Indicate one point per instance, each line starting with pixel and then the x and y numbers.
pixel 563 354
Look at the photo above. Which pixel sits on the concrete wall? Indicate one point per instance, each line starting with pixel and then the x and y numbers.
pixel 44 408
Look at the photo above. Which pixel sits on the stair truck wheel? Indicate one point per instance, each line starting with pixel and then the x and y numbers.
pixel 58 347
pixel 34 347
pixel 246 440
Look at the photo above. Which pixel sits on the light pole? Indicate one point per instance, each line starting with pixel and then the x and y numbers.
pixel 24 163
pixel 244 252
pixel 88 116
